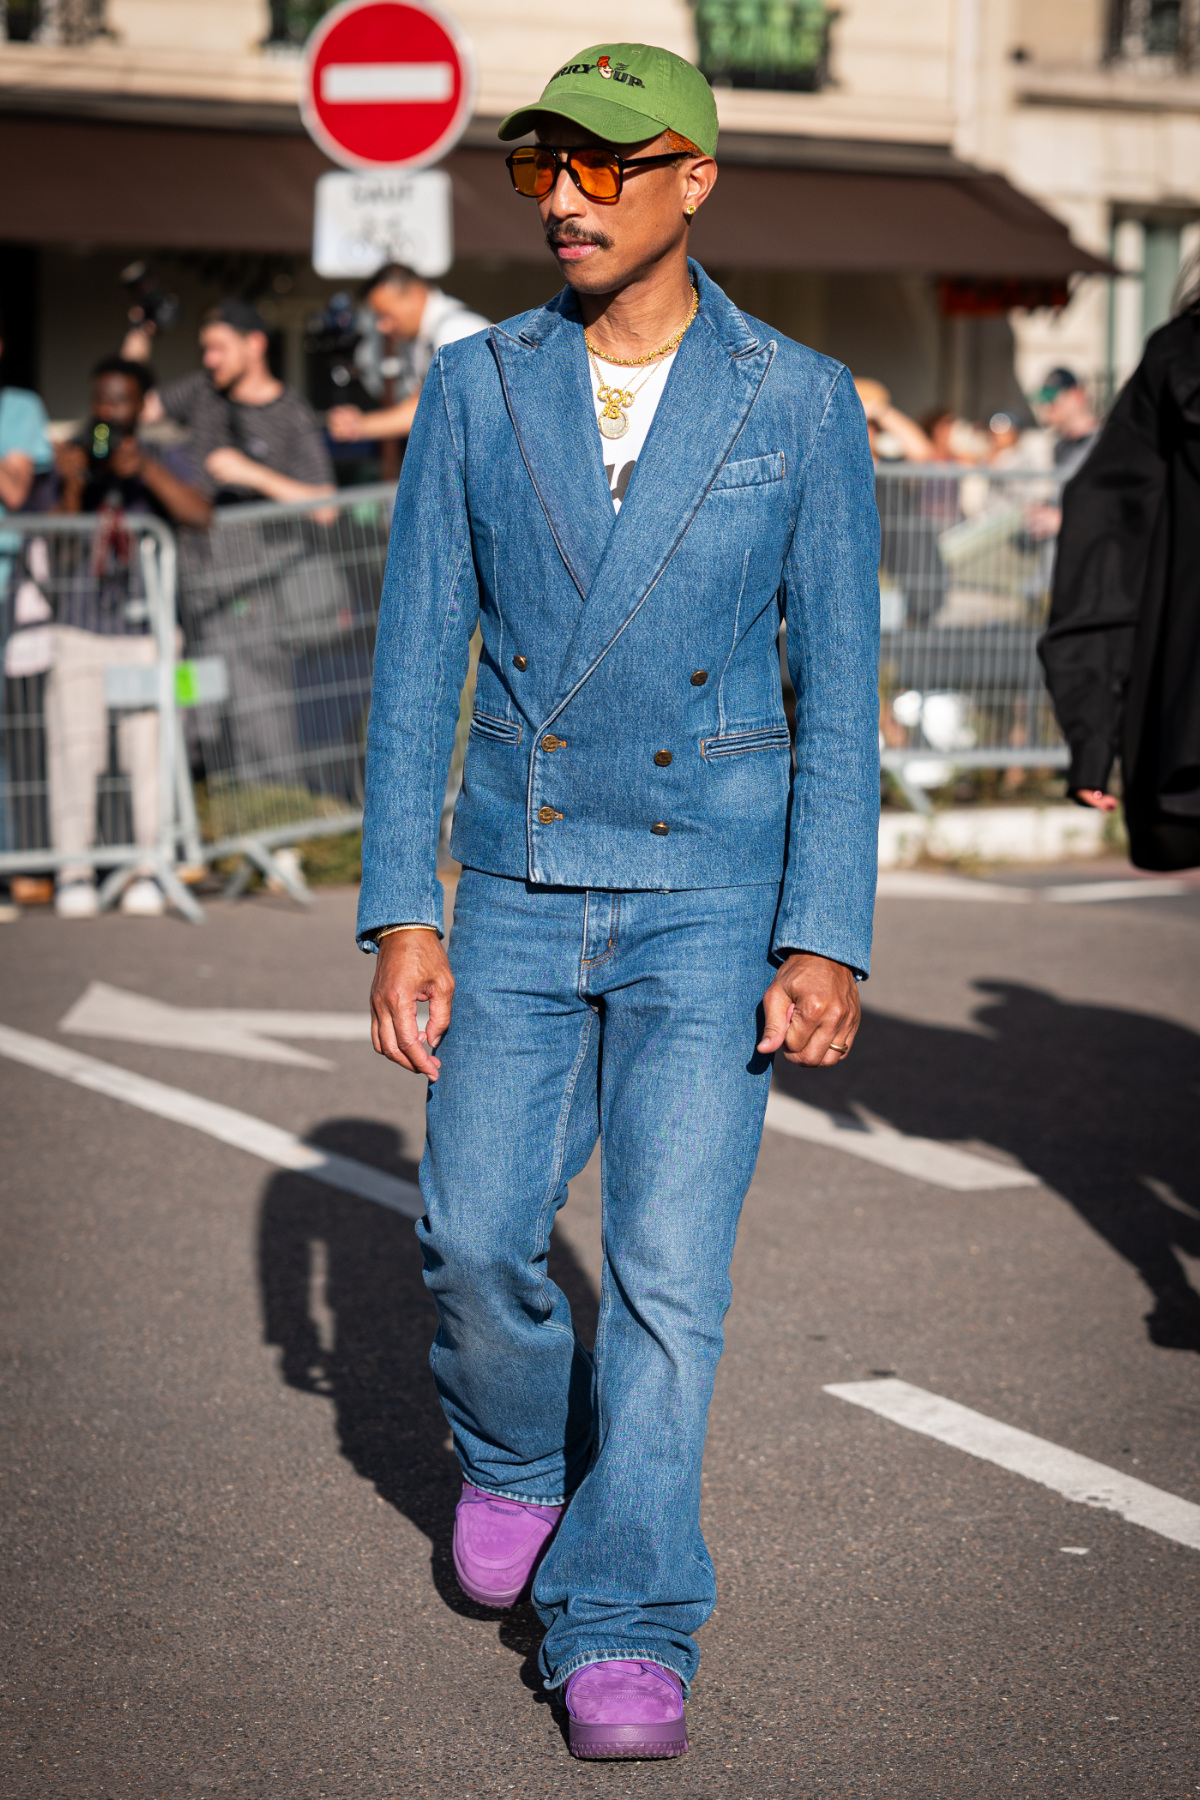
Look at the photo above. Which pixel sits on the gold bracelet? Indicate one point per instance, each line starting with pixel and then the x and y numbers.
pixel 389 929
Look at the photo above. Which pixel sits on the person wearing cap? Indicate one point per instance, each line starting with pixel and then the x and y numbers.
pixel 1063 406
pixel 254 438
pixel 627 490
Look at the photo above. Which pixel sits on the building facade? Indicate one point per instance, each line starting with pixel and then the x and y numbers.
pixel 930 189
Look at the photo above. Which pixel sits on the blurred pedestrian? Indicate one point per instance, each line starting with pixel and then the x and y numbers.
pixel 419 319
pixel 1064 408
pixel 252 437
pixel 25 455
pixel 893 436
pixel 622 806
pixel 101 621
pixel 1122 649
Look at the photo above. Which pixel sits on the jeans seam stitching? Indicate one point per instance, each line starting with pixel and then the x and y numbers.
pixel 560 1136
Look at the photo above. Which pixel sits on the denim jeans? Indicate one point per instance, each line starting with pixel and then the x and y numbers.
pixel 631 1016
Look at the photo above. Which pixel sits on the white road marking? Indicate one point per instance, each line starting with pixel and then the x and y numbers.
pixel 924 884
pixel 358 84
pixel 1073 1476
pixel 920 884
pixel 270 1142
pixel 110 1012
pixel 922 1158
pixel 1080 892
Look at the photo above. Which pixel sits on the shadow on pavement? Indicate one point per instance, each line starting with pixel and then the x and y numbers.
pixel 344 1300
pixel 1100 1103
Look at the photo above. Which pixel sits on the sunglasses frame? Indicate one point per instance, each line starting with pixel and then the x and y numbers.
pixel 562 155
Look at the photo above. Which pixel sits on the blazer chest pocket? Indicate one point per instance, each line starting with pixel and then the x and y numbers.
pixel 496 731
pixel 739 743
pixel 753 472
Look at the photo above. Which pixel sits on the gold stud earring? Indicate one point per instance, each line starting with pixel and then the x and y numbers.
pixel 690 210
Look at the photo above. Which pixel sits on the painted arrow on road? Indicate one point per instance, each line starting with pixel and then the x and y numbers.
pixel 111 1012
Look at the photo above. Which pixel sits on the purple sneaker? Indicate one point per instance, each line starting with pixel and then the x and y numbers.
pixel 626 1709
pixel 498 1544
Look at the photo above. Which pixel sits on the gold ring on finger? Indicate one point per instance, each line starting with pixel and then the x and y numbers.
pixel 842 1049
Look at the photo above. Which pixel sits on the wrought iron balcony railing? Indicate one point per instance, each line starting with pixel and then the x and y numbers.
pixel 52 21
pixel 1155 32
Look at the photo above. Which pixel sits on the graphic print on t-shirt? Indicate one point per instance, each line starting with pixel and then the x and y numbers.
pixel 621 454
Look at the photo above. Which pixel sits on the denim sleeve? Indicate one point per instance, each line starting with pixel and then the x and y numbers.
pixel 427 613
pixel 831 582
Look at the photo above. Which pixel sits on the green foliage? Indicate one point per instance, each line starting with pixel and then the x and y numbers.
pixel 292 20
pixel 780 44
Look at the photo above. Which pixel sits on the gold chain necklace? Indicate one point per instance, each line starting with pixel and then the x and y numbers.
pixel 614 401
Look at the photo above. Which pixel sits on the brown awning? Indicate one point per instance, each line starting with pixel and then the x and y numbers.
pixel 153 187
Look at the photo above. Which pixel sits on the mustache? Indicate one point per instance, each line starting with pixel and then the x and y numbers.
pixel 566 233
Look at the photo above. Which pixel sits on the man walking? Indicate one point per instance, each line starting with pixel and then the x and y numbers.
pixel 653 901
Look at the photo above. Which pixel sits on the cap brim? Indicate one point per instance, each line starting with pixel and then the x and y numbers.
pixel 613 123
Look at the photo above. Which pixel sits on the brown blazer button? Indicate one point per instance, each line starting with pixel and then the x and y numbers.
pixel 520 662
pixel 699 678
pixel 547 815
pixel 663 758
pixel 551 743
pixel 660 830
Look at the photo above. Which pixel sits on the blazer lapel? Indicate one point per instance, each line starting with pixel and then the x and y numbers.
pixel 716 376
pixel 545 373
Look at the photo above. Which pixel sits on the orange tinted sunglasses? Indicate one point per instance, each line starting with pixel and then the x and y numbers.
pixel 598 173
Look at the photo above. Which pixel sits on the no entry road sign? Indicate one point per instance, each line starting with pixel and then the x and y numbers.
pixel 388 84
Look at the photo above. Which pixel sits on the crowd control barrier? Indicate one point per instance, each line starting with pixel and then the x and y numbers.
pixel 278 606
pixel 88 733
pixel 964 585
pixel 179 701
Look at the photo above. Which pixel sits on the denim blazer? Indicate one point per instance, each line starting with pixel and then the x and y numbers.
pixel 628 727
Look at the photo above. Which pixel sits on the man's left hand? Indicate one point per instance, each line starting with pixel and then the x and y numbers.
pixel 812 1012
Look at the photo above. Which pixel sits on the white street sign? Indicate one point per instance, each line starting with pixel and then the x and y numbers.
pixel 361 220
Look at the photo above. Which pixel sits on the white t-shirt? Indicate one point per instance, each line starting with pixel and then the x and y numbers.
pixel 620 454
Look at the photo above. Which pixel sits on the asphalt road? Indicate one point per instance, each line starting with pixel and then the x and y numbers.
pixel 226 1494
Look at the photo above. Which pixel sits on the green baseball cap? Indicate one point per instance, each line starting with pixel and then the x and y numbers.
pixel 625 93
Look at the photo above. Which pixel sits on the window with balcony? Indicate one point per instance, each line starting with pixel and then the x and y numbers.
pixel 52 21
pixel 1162 33
pixel 780 44
pixel 292 20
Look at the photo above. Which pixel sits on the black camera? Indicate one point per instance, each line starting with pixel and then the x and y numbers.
pixel 330 342
pixel 153 307
pixel 101 440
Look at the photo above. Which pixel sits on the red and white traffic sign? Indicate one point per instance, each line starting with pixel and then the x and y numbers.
pixel 388 84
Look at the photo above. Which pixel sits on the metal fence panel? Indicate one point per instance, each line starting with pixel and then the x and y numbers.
pixel 87 703
pixel 115 755
pixel 965 564
pixel 278 606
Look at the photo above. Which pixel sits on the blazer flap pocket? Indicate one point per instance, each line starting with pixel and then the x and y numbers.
pixel 737 743
pixel 753 471
pixel 497 731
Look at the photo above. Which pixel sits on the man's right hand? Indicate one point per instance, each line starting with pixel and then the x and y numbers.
pixel 411 966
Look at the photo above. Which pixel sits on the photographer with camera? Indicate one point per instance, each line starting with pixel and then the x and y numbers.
pixel 101 621
pixel 418 319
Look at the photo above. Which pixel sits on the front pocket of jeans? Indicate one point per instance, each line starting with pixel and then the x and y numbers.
pixel 739 743
pixel 497 731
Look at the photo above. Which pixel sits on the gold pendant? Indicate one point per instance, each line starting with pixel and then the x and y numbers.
pixel 613 422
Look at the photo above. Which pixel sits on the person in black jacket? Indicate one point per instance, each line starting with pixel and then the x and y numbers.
pixel 1122 649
